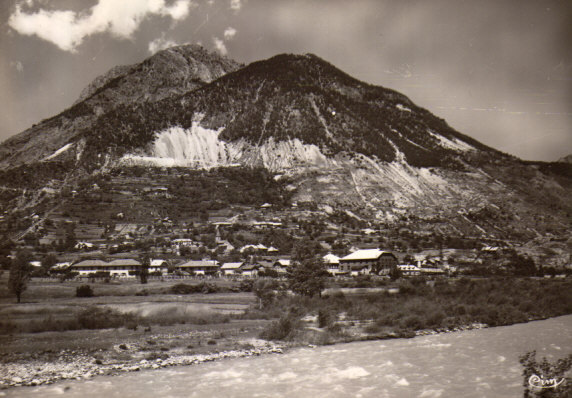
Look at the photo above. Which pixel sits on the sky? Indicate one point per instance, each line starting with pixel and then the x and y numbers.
pixel 499 71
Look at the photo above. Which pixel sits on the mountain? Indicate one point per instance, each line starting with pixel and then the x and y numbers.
pixel 284 100
pixel 327 138
pixel 565 159
pixel 169 72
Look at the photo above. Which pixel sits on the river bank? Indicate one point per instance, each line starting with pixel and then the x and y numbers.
pixel 112 352
pixel 160 350
pixel 471 363
pixel 163 334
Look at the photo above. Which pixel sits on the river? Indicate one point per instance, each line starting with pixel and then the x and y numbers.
pixel 476 363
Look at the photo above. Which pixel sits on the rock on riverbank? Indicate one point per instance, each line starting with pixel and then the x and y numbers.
pixel 70 365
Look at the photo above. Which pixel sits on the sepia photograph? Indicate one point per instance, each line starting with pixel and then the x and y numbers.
pixel 285 198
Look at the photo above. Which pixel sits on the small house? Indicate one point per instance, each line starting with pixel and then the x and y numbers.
pixel 231 269
pixel 201 267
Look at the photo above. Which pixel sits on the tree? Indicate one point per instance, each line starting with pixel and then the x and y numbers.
pixel 20 271
pixel 395 273
pixel 308 275
pixel 145 263
pixel 49 261
pixel 264 291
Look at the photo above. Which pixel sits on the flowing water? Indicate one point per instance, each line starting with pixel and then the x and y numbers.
pixel 477 363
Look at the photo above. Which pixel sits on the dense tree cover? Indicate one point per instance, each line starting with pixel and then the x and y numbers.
pixel 419 305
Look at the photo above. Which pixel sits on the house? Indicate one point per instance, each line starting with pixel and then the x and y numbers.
pixel 84 246
pixel 117 268
pixel 431 271
pixel 409 270
pixel 178 244
pixel 158 265
pixel 60 267
pixel 250 270
pixel 123 267
pixel 332 263
pixel 87 267
pixel 368 261
pixel 231 268
pixel 256 248
pixel 201 267
pixel 266 264
pixel 225 246
pixel 281 265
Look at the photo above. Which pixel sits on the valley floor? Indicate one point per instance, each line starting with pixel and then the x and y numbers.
pixel 179 329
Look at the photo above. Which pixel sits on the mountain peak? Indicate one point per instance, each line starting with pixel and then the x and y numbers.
pixel 180 68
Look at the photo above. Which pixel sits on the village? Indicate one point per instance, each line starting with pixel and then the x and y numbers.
pixel 258 242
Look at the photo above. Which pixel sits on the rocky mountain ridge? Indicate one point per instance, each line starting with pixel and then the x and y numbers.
pixel 170 72
pixel 336 141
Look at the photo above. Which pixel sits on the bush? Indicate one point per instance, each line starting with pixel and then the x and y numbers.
pixel 246 285
pixel 535 371
pixel 183 288
pixel 203 287
pixel 103 318
pixel 84 291
pixel 326 318
pixel 283 329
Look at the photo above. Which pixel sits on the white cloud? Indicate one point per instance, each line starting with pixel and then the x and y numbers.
pixel 68 29
pixel 160 44
pixel 235 4
pixel 219 45
pixel 229 33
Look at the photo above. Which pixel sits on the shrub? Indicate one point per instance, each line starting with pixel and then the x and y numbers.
pixel 413 322
pixel 535 371
pixel 283 329
pixel 203 287
pixel 326 318
pixel 246 285
pixel 183 288
pixel 103 318
pixel 84 291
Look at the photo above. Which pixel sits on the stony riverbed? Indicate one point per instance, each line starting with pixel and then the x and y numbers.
pixel 78 365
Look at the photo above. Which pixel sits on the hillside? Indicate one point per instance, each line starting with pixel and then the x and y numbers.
pixel 329 140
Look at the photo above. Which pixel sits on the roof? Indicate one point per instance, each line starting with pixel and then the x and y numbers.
pixel 254 247
pixel 157 262
pixel 199 264
pixel 284 262
pixel 125 262
pixel 61 266
pixel 432 270
pixel 248 267
pixel 90 263
pixel 331 259
pixel 266 263
pixel 231 265
pixel 364 254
